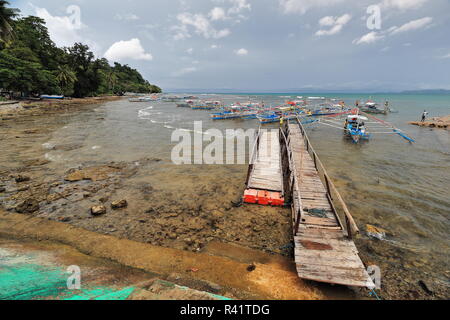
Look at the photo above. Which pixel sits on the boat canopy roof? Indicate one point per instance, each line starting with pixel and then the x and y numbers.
pixel 356 118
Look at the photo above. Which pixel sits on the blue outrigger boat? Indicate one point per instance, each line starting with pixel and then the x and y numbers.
pixel 269 118
pixel 355 128
pixel 51 97
pixel 226 115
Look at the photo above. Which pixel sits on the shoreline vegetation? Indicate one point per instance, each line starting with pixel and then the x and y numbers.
pixel 32 65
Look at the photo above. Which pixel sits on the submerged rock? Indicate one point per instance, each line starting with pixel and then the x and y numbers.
pixel 98 210
pixel 21 178
pixel 28 206
pixel 2 189
pixel 375 232
pixel 92 173
pixel 119 204
pixel 427 286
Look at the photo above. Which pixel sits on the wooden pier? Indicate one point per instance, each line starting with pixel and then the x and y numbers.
pixel 265 180
pixel 324 249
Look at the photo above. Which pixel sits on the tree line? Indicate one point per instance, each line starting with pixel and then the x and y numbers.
pixel 31 64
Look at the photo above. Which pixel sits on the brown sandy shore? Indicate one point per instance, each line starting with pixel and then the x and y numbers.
pixel 159 231
pixel 442 123
pixel 229 277
pixel 199 262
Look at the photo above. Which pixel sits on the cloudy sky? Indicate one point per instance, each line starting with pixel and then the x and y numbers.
pixel 260 45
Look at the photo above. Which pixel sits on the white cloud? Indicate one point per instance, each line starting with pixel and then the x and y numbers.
pixel 403 4
pixel 336 24
pixel 302 6
pixel 201 25
pixel 190 50
pixel 184 71
pixel 131 49
pixel 64 29
pixel 369 38
pixel 214 46
pixel 126 17
pixel 327 21
pixel 217 14
pixel 239 6
pixel 241 52
pixel 412 25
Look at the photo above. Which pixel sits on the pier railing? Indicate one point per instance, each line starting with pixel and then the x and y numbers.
pixel 253 155
pixel 334 196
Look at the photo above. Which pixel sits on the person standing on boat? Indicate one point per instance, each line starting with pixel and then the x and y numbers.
pixel 424 115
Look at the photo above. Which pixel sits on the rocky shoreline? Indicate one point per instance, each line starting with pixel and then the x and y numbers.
pixel 441 123
pixel 136 200
pixel 12 109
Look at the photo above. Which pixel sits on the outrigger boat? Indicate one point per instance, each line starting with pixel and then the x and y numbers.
pixel 172 98
pixel 207 105
pixel 276 117
pixel 373 107
pixel 202 107
pixel 51 97
pixel 268 118
pixel 186 104
pixel 355 128
pixel 141 99
pixel 226 115
pixel 236 112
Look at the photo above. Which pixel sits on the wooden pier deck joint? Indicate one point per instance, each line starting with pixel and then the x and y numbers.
pixel 324 249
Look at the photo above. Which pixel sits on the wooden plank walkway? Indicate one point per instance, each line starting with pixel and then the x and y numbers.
pixel 265 179
pixel 324 250
pixel 266 173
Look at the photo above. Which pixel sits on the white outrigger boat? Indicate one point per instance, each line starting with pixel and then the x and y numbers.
pixel 141 99
pixel 373 107
pixel 186 104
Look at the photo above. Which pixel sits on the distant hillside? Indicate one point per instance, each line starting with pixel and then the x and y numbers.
pixel 428 91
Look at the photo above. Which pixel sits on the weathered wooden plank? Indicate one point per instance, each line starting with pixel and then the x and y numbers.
pixel 267 173
pixel 322 251
pixel 324 222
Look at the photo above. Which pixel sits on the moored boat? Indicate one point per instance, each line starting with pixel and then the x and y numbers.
pixel 373 107
pixel 355 128
pixel 141 99
pixel 268 118
pixel 55 97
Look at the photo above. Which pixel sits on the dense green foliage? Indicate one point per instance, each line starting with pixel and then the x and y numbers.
pixel 31 63
pixel 7 16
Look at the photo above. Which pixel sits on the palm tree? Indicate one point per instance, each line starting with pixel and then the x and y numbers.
pixel 112 81
pixel 7 16
pixel 66 77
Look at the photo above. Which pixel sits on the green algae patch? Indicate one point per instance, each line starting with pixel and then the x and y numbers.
pixel 31 282
pixel 28 276
pixel 101 293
